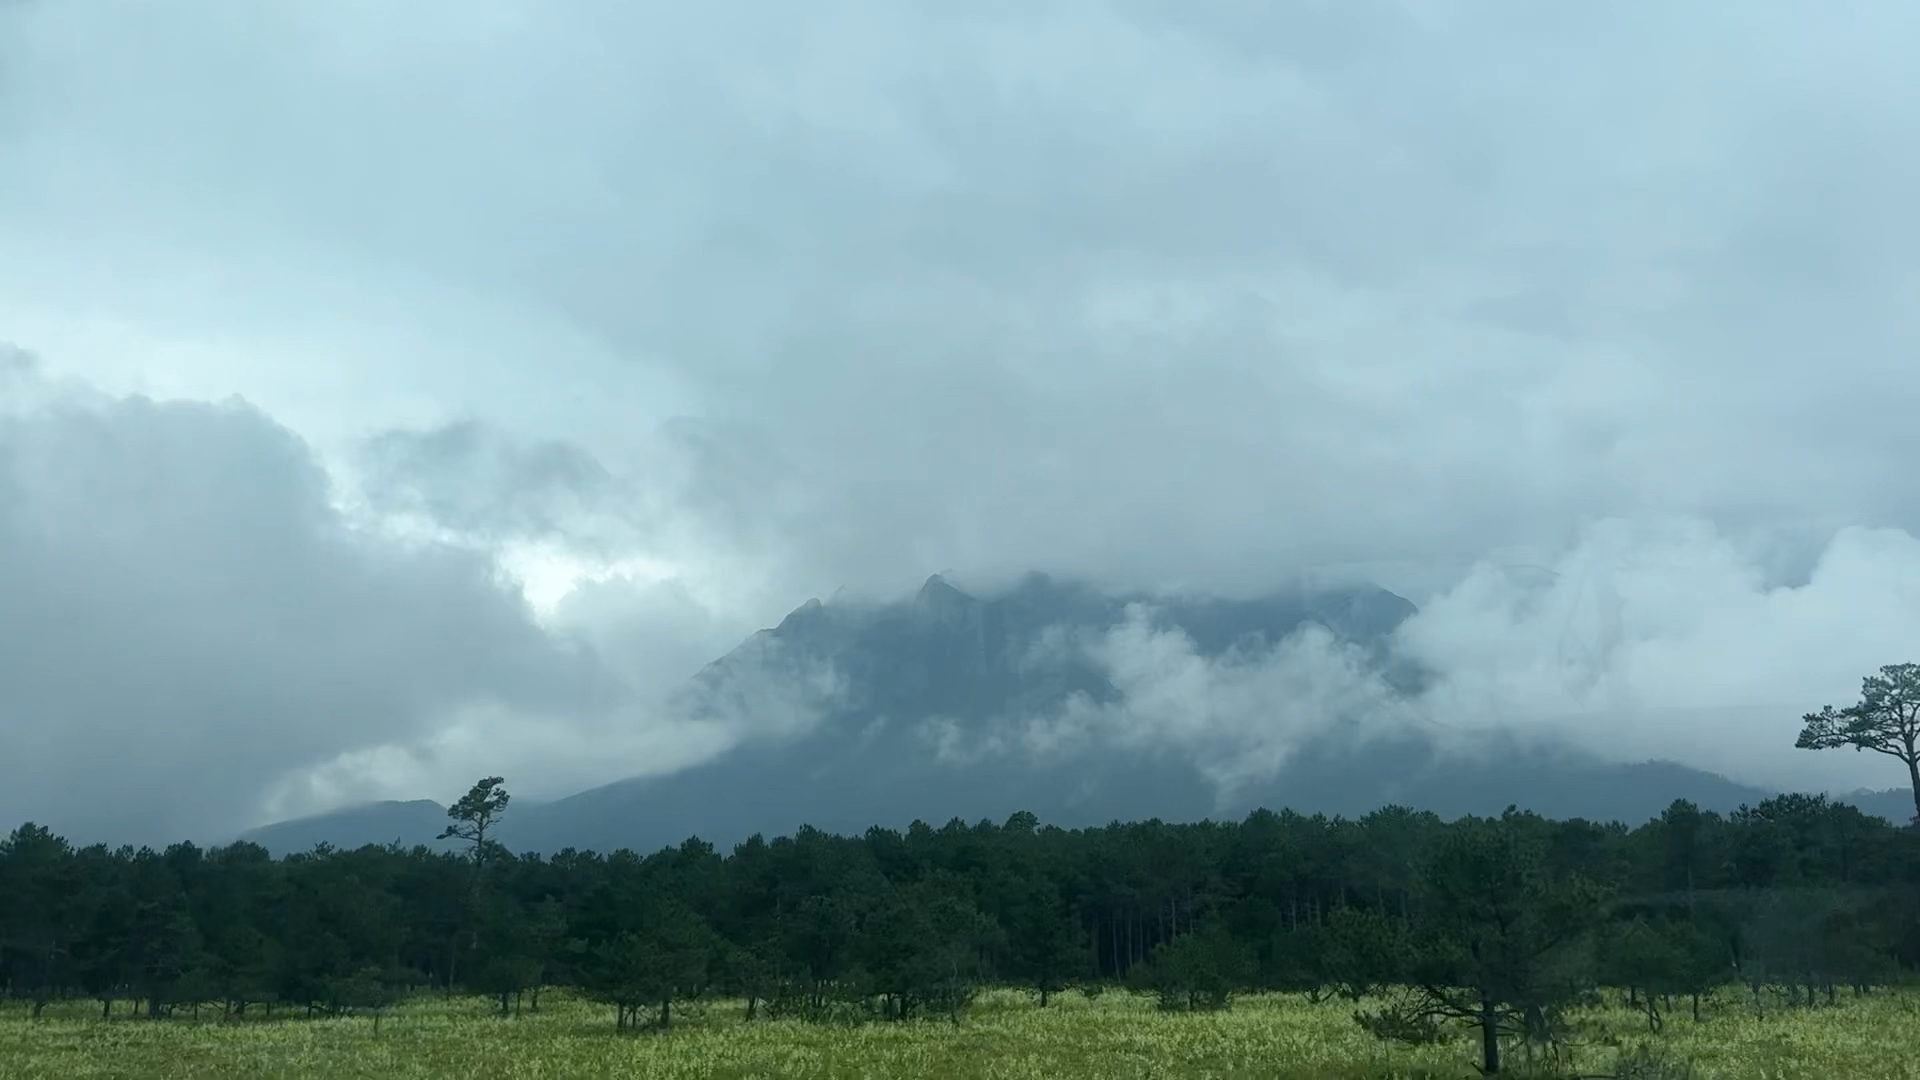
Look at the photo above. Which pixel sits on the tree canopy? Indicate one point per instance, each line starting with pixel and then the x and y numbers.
pixel 1492 922
pixel 1886 720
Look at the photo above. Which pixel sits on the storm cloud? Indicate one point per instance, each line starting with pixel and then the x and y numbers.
pixel 186 618
pixel 574 340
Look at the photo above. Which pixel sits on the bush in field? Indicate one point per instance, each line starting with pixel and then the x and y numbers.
pixel 1199 971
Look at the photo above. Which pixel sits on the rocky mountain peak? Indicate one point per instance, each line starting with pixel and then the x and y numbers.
pixel 939 594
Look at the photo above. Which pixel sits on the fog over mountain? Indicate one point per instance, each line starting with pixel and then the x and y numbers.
pixel 1084 708
pixel 399 394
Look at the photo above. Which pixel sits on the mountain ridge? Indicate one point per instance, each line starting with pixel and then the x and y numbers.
pixel 853 713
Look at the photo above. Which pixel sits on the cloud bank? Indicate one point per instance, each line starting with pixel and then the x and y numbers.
pixel 1645 640
pixel 579 339
pixel 195 638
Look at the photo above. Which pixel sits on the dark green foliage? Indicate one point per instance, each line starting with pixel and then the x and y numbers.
pixel 1498 923
pixel 1658 960
pixel 39 928
pixel 1886 720
pixel 667 956
pixel 475 815
pixel 1362 952
pixel 922 948
pixel 1505 931
pixel 1198 971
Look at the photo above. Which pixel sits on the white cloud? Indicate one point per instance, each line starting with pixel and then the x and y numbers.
pixel 1670 639
pixel 1162 294
pixel 1239 715
pixel 1653 639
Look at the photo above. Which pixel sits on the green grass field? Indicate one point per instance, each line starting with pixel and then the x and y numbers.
pixel 1005 1037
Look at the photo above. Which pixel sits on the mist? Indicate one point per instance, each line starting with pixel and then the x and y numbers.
pixel 1645 640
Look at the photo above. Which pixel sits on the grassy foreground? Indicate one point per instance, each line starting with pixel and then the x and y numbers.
pixel 1005 1037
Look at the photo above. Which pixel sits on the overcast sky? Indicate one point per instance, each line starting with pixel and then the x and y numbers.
pixel 396 393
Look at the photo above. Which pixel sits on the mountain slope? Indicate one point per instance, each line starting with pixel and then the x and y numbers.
pixel 926 683
pixel 417 821
pixel 927 693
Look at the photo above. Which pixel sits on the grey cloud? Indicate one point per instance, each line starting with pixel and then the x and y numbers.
pixel 16 361
pixel 656 634
pixel 1674 639
pixel 1141 288
pixel 1168 295
pixel 187 618
pixel 1644 640
pixel 472 477
pixel 1240 715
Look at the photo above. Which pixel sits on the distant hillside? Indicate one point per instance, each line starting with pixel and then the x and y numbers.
pixel 962 662
pixel 1894 804
pixel 415 822
pixel 1321 782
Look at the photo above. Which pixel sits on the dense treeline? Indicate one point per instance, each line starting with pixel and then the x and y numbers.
pixel 1499 923
pixel 1495 922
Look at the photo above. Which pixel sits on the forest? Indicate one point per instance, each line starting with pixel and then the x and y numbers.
pixel 1498 924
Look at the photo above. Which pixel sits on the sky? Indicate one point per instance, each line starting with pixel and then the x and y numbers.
pixel 398 393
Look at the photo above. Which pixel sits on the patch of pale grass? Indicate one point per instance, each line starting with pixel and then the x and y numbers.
pixel 1005 1037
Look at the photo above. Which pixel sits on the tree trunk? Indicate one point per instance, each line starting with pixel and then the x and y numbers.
pixel 1913 778
pixel 1489 1038
pixel 1113 941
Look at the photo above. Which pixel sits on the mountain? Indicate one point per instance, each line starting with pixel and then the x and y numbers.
pixel 417 821
pixel 1894 804
pixel 884 714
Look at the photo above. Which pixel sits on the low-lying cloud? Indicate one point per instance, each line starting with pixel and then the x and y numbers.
pixel 1239 715
pixel 1673 639
pixel 1664 639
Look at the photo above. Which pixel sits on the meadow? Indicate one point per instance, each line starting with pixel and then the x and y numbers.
pixel 1004 1037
